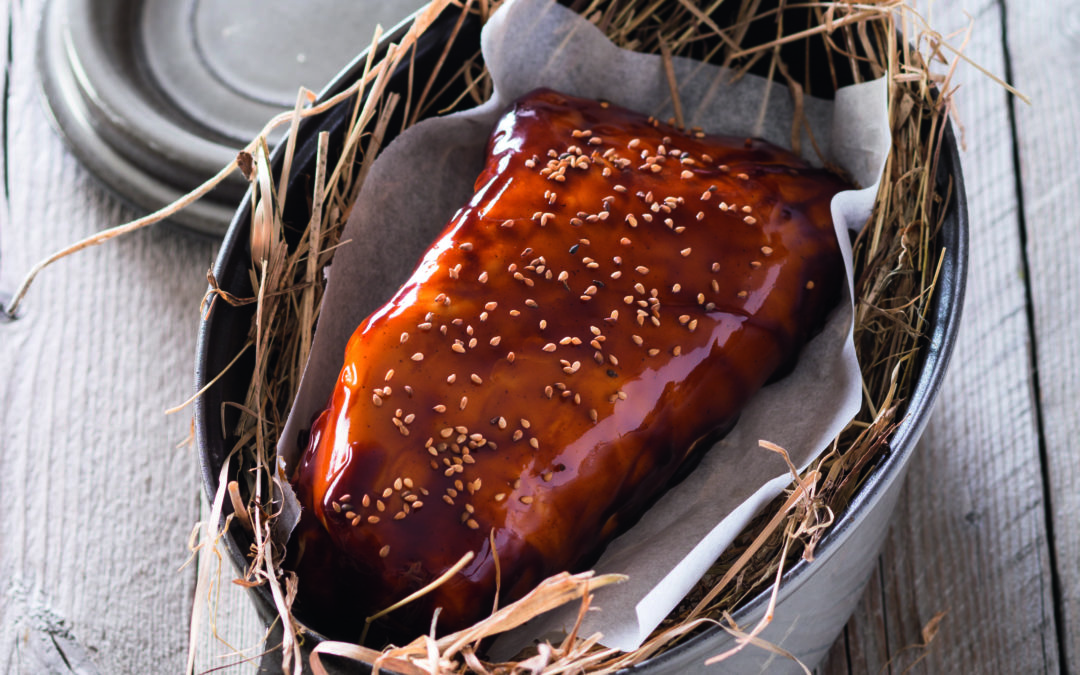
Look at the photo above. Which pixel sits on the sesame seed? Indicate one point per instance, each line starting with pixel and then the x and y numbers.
pixel 766 251
pixel 685 252
pixel 809 285
pixel 418 356
pixel 494 342
pixel 476 379
pixel 376 400
pixel 373 520
pixel 549 347
pixel 379 505
pixel 404 338
pixel 749 220
pixel 543 324
pixel 743 294
pixel 526 499
pixel 483 277
pixel 686 174
pixel 531 303
pixel 458 347
pixel 439 408
pixel 473 525
pixel 464 402
pixel 742 176
pixel 637 340
pixel 510 357
pixel 451 378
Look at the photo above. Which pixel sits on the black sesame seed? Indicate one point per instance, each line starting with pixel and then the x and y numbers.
pixel 574 248
pixel 612 373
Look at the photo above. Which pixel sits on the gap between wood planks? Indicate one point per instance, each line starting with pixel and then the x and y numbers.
pixel 1033 358
pixel 5 217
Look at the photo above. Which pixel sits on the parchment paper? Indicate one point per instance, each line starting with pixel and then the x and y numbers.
pixel 427 173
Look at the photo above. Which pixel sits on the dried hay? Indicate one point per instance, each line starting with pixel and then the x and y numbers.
pixel 896 254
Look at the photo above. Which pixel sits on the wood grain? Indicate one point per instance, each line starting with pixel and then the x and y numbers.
pixel 1046 65
pixel 98 497
pixel 970 536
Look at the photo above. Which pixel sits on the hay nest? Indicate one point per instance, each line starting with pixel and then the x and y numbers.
pixel 813 47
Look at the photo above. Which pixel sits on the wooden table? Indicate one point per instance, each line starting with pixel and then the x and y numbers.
pixel 99 492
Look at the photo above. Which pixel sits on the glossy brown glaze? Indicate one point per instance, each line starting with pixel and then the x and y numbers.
pixel 615 291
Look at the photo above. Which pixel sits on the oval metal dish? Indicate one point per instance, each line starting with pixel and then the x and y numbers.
pixel 815 599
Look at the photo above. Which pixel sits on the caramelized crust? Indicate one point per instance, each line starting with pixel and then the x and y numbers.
pixel 613 293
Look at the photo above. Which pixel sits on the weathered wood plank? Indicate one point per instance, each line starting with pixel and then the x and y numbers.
pixel 98 496
pixel 970 537
pixel 1044 45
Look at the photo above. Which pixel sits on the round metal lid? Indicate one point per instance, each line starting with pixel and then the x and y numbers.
pixel 156 96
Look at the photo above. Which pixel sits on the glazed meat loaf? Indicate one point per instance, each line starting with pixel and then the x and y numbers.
pixel 602 308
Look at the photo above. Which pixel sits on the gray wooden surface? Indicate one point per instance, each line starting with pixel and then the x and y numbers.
pixel 98 496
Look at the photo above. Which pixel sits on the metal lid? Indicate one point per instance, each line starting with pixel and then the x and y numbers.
pixel 156 96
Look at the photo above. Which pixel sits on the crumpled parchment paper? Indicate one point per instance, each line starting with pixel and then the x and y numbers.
pixel 427 173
